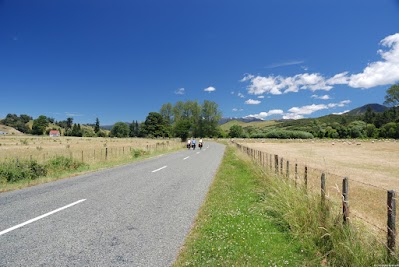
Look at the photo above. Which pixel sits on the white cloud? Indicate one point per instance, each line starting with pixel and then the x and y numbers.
pixel 73 114
pixel 252 102
pixel 298 112
pixel 261 96
pixel 381 72
pixel 247 77
pixel 292 116
pixel 340 78
pixel 240 95
pixel 179 91
pixel 283 64
pixel 306 110
pixel 322 97
pixel 237 109
pixel 277 85
pixel 210 89
pixel 340 113
pixel 263 115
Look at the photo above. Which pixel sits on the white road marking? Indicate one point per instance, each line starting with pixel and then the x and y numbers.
pixel 198 153
pixel 186 158
pixel 40 217
pixel 159 169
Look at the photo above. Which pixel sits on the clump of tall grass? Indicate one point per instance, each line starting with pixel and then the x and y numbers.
pixel 61 164
pixel 138 152
pixel 15 170
pixel 320 229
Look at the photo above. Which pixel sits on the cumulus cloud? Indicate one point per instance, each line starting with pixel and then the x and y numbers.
pixel 383 72
pixel 237 109
pixel 263 115
pixel 261 96
pixel 322 97
pixel 298 112
pixel 277 85
pixel 179 91
pixel 210 89
pixel 252 102
pixel 240 95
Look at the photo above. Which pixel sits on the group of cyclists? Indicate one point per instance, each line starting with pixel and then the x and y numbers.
pixel 191 143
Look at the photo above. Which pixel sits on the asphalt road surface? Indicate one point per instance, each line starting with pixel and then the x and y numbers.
pixel 133 215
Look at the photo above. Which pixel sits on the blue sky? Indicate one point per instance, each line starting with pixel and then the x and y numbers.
pixel 120 60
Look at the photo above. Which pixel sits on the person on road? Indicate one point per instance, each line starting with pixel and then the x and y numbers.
pixel 189 143
pixel 193 144
pixel 200 143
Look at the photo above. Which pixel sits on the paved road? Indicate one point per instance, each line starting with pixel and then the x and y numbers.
pixel 134 215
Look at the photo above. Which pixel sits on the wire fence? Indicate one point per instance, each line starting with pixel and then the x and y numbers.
pixel 369 203
pixel 87 150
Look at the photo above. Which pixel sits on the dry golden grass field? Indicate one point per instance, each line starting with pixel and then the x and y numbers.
pixel 371 166
pixel 86 149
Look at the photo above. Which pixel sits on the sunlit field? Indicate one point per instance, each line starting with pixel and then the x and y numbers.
pixel 86 149
pixel 371 166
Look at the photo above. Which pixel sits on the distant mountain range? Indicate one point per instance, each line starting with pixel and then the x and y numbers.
pixel 374 107
pixel 354 112
pixel 357 111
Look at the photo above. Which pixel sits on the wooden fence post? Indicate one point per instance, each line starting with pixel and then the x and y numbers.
pixel 345 200
pixel 106 153
pixel 296 174
pixel 391 237
pixel 323 190
pixel 306 178
pixel 276 163
pixel 281 166
pixel 288 169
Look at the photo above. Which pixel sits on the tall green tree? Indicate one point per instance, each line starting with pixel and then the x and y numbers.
pixel 154 125
pixel 39 125
pixel 210 117
pixel 69 123
pixel 120 129
pixel 392 96
pixel 97 126
pixel 236 131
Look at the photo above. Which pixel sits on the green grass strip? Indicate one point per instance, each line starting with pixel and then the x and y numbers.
pixel 232 228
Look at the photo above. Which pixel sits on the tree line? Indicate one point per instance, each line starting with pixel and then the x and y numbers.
pixel 368 125
pixel 182 120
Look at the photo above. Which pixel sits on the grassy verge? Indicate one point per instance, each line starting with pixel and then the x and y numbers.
pixel 232 228
pixel 253 218
pixel 320 228
pixel 60 168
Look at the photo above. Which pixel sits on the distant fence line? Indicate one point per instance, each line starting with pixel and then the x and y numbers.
pixel 275 164
pixel 90 155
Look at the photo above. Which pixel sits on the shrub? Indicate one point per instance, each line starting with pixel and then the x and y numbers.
pixel 14 170
pixel 138 152
pixel 284 134
pixel 61 163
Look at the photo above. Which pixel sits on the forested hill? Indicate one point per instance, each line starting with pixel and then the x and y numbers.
pixel 369 121
pixel 377 108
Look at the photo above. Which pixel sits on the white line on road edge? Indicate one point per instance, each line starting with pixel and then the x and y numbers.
pixel 159 169
pixel 198 153
pixel 40 217
pixel 186 158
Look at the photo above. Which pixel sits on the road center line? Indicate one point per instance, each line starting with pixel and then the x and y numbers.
pixel 186 158
pixel 159 169
pixel 40 217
